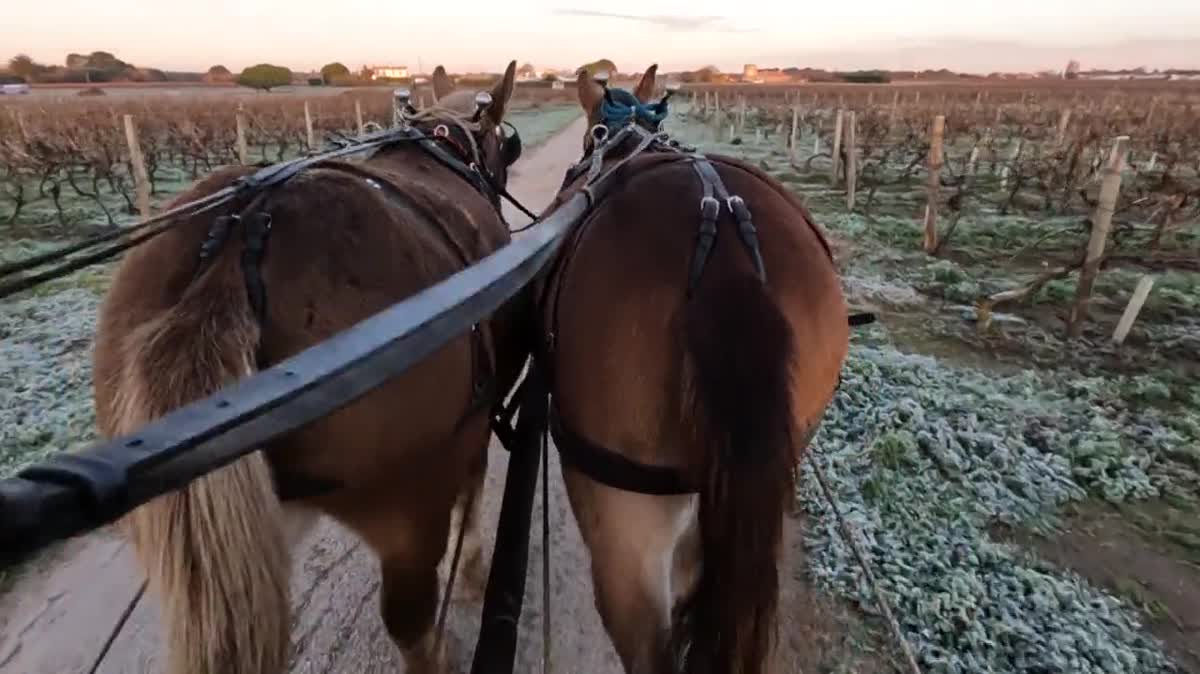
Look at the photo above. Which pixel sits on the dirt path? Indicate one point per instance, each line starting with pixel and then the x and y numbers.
pixel 56 619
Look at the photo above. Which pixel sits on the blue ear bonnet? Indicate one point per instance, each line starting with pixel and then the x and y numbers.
pixel 619 107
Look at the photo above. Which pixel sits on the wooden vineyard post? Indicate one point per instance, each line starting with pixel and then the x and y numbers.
pixel 1140 293
pixel 851 160
pixel 1063 120
pixel 243 149
pixel 891 123
pixel 1012 159
pixel 362 129
pixel 1110 188
pixel 836 152
pixel 794 136
pixel 141 179
pixel 742 114
pixel 308 128
pixel 935 183
pixel 716 116
pixel 19 118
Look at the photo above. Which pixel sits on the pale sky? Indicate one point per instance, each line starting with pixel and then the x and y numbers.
pixel 967 35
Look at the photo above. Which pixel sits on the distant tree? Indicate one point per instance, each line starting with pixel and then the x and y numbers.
pixel 217 74
pixel 105 67
pixel 705 74
pixel 866 77
pixel 147 75
pixel 265 76
pixel 527 71
pixel 76 61
pixel 23 66
pixel 333 71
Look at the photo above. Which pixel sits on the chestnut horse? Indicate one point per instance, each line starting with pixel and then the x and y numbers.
pixel 348 240
pixel 701 382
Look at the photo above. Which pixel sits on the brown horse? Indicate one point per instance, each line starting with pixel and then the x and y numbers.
pixel 349 239
pixel 720 385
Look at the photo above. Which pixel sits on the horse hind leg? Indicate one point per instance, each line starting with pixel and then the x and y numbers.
pixel 644 551
pixel 408 604
pixel 465 521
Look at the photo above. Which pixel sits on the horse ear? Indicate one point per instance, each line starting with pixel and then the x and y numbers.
pixel 442 85
pixel 645 88
pixel 590 93
pixel 502 93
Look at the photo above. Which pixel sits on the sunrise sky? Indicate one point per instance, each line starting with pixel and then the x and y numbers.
pixel 969 35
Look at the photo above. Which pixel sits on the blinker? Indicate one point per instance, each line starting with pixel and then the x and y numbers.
pixel 483 100
pixel 402 105
pixel 510 151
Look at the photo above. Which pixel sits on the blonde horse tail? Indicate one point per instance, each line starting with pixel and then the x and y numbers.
pixel 215 551
pixel 738 362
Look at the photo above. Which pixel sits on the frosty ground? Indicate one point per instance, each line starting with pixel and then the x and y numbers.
pixel 965 459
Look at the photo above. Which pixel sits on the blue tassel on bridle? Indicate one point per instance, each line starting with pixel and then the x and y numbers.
pixel 619 107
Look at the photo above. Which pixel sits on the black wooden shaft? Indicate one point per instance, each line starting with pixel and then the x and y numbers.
pixel 496 649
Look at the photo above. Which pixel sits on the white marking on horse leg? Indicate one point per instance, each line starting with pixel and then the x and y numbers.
pixel 684 522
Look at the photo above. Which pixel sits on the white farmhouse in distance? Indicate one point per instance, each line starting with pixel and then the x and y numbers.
pixel 388 72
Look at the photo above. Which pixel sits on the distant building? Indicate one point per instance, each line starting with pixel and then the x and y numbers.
pixel 775 76
pixel 388 72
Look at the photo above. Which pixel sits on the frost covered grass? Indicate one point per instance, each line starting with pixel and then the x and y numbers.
pixel 45 364
pixel 537 125
pixel 925 457
pixel 928 455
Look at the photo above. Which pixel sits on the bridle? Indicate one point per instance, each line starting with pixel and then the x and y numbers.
pixel 453 138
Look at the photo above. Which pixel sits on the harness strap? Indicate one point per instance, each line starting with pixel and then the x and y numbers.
pixel 470 173
pixel 710 210
pixel 256 228
pixel 611 468
pixel 713 185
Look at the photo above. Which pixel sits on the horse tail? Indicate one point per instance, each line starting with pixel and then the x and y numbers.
pixel 737 372
pixel 215 551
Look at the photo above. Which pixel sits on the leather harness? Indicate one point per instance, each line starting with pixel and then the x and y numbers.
pixel 256 226
pixel 604 465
